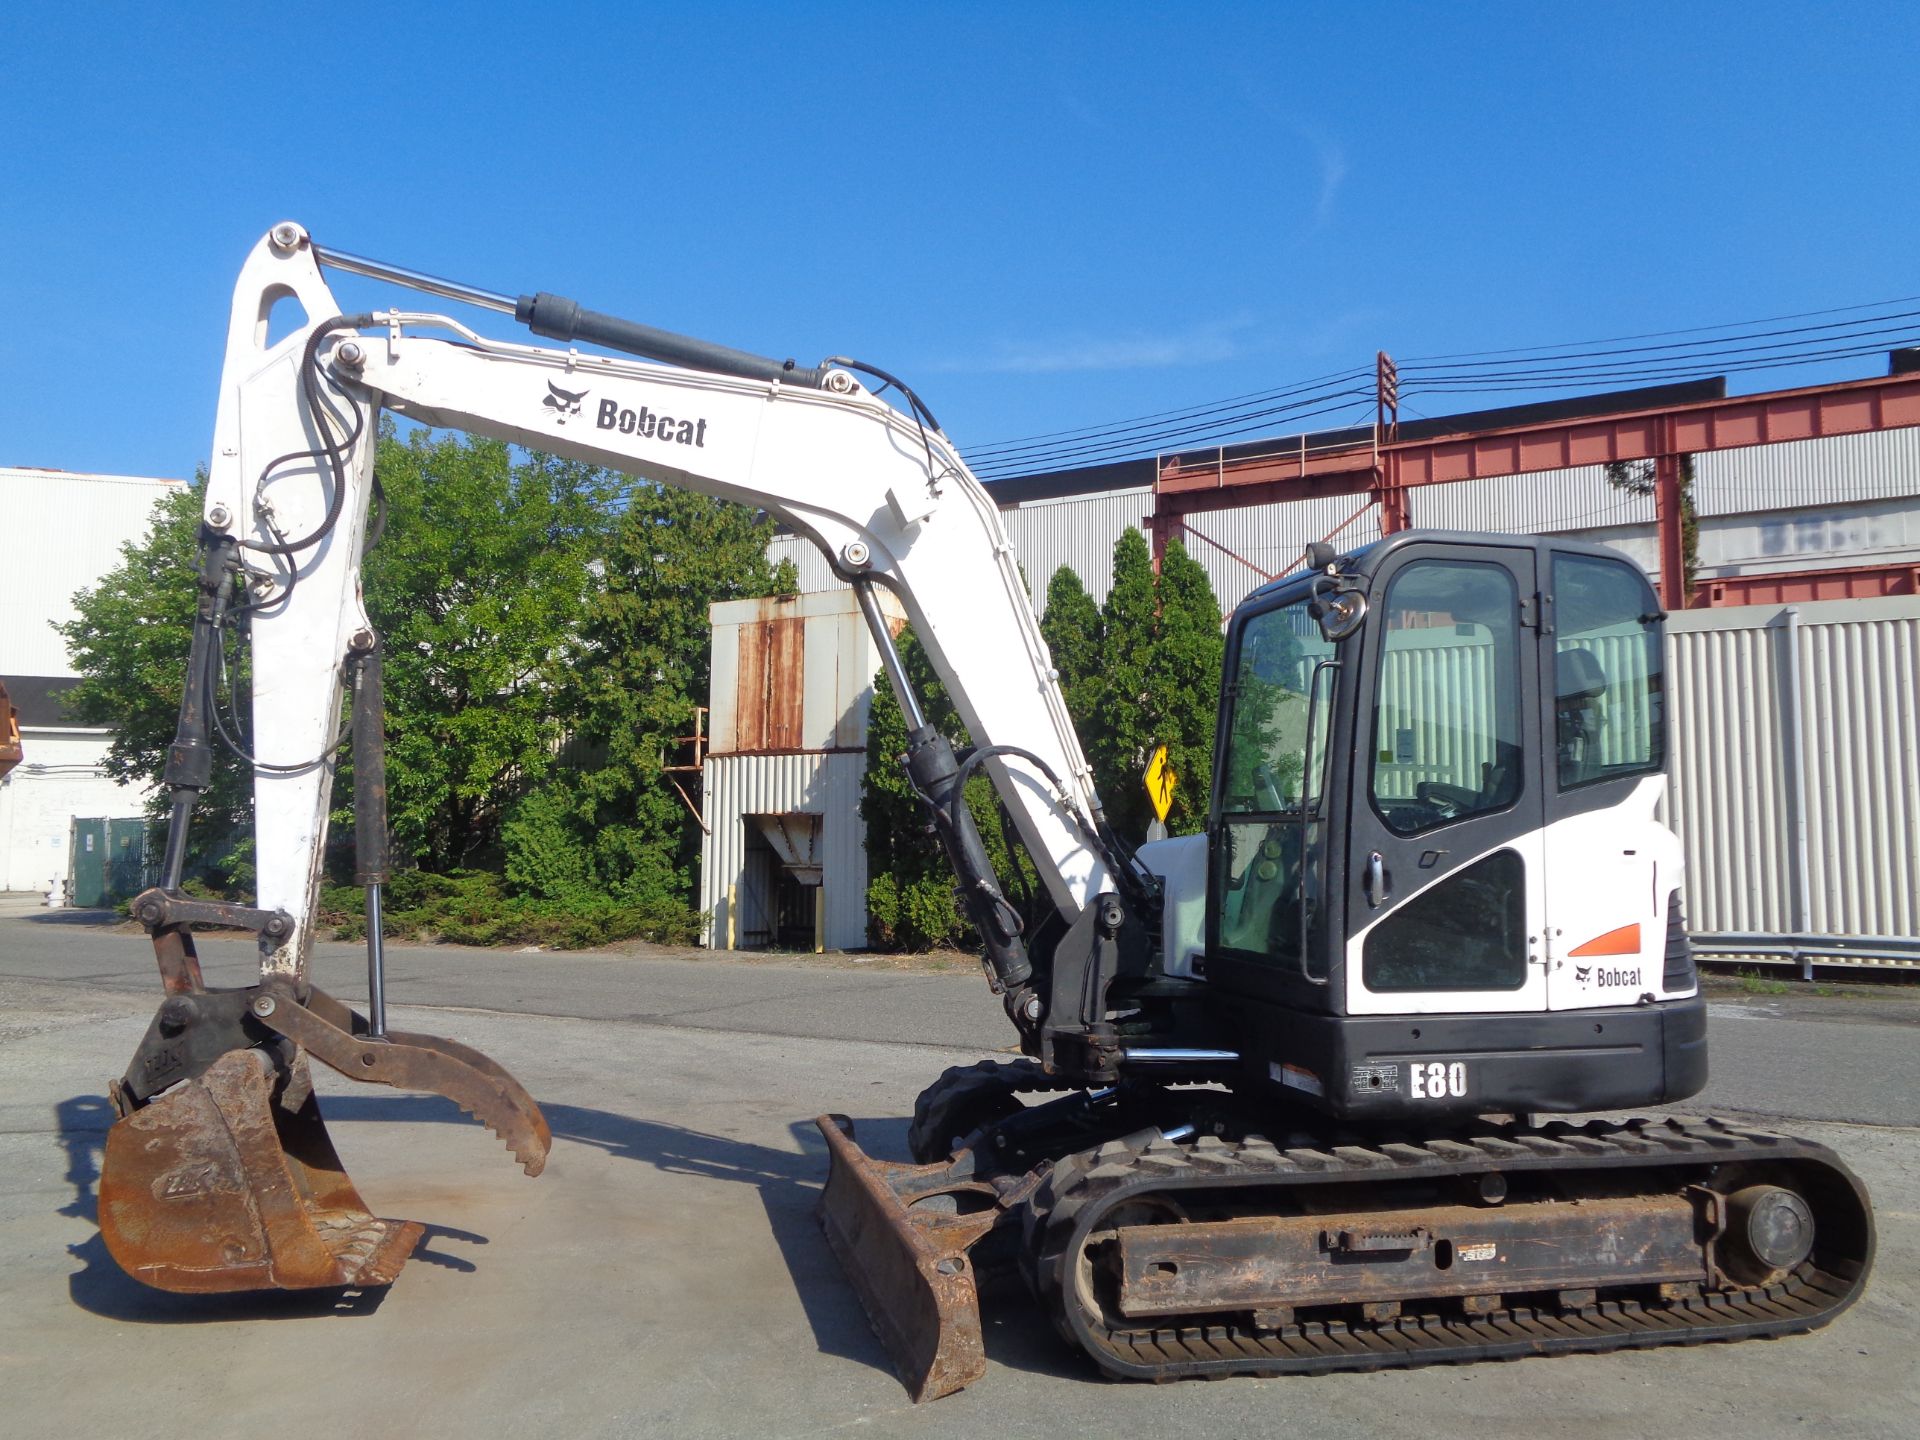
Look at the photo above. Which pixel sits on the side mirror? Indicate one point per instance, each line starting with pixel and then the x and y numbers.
pixel 1342 615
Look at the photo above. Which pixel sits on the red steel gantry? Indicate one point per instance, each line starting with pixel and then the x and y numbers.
pixel 1387 467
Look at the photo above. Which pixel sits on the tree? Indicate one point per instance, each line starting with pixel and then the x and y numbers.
pixel 1123 729
pixel 1153 679
pixel 1637 477
pixel 1183 682
pixel 544 637
pixel 1071 628
pixel 911 901
pixel 478 586
pixel 128 641
pixel 610 824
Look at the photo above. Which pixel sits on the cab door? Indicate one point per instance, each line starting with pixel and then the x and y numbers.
pixel 1445 868
pixel 1612 867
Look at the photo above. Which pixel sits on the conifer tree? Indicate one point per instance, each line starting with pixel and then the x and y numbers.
pixel 1071 628
pixel 1183 682
pixel 1120 734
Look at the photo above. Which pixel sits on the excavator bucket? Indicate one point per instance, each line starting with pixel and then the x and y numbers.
pixel 901 1234
pixel 219 1186
pixel 220 1175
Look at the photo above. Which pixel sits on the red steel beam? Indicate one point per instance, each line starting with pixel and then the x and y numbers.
pixel 1850 407
pixel 1860 582
pixel 1388 468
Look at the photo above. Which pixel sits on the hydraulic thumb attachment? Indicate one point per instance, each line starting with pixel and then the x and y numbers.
pixel 220 1175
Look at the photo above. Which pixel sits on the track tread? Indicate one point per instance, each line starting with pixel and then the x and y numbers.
pixel 1080 1188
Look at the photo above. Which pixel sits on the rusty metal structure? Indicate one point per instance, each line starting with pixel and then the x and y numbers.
pixel 10 752
pixel 1388 463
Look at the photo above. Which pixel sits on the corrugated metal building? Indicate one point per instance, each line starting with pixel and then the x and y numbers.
pixel 62 533
pixel 1796 768
pixel 1807 505
pixel 1796 785
pixel 784 858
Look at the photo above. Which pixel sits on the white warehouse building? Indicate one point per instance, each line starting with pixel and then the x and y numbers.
pixel 62 533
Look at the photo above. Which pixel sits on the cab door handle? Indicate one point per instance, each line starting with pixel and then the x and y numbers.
pixel 1376 880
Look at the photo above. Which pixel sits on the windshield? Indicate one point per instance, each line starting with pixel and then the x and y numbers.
pixel 1267 761
pixel 1266 862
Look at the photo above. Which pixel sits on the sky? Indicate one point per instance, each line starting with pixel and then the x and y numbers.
pixel 1042 216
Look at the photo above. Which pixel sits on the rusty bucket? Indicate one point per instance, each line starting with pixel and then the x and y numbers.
pixel 220 1185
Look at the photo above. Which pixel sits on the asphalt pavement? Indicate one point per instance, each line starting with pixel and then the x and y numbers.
pixel 664 1276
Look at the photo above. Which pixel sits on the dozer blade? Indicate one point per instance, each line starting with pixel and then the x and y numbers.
pixel 908 1262
pixel 218 1186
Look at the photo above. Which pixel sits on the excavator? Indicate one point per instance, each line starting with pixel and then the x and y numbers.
pixel 1317 1089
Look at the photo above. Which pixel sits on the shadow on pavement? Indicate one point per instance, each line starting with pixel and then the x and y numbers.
pixel 1017 1335
pixel 68 916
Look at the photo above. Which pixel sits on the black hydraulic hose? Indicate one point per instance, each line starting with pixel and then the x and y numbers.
pixel 239 750
pixel 189 768
pixel 330 448
pixel 1118 856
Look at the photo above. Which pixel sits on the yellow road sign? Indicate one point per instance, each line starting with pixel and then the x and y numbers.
pixel 1160 782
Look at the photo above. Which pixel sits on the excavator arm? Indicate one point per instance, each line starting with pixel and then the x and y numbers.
pixel 220 1174
pixel 1174 1218
pixel 883 494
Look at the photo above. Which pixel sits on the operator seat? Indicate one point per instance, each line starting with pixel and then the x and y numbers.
pixel 1579 688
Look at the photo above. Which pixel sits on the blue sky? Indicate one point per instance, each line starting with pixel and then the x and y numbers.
pixel 1043 216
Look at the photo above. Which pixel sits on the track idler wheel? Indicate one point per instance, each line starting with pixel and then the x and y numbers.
pixel 1769 1230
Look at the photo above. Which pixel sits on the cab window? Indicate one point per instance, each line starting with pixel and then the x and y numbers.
pixel 1272 783
pixel 1446 717
pixel 1609 685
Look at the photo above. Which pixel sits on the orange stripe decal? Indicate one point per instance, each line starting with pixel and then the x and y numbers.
pixel 1624 941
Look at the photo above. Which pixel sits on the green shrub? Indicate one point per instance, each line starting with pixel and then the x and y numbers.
pixel 472 907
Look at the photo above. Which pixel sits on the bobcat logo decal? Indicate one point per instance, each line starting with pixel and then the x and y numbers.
pixel 563 402
pixel 1582 973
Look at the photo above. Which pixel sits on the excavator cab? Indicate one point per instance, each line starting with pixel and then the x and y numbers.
pixel 1433 849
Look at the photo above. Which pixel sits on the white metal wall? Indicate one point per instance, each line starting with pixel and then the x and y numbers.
pixel 838 662
pixel 1078 531
pixel 1831 470
pixel 61 534
pixel 815 574
pixel 827 785
pixel 61 777
pixel 1800 812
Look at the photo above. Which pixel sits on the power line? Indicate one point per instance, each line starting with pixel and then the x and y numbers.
pixel 1062 437
pixel 1663 334
pixel 1738 347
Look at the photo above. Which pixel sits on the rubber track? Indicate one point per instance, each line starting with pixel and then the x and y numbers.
pixel 1082 1188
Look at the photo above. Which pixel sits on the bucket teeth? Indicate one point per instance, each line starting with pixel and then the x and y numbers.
pixel 217 1186
pixel 229 1181
pixel 337 1036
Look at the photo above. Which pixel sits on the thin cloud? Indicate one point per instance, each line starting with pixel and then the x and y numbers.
pixel 1204 345
pixel 1333 173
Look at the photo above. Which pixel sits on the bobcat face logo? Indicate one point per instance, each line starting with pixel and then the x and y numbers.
pixel 1582 973
pixel 563 402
